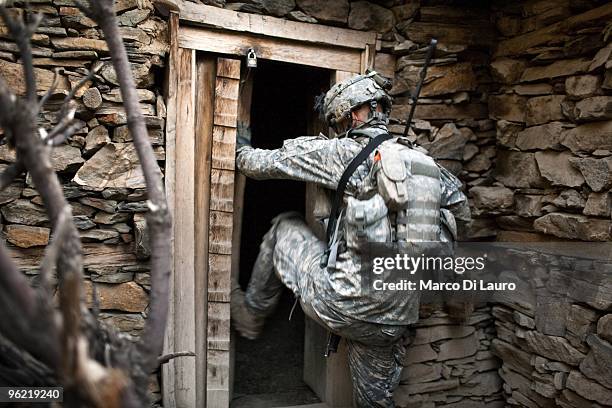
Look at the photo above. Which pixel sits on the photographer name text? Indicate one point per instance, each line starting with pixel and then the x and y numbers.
pixel 430 285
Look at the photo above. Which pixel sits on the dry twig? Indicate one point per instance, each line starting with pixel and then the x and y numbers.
pixel 78 352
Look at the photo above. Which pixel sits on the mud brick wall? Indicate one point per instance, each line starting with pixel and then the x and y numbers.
pixel 98 165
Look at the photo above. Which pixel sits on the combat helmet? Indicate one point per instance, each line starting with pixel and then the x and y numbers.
pixel 350 94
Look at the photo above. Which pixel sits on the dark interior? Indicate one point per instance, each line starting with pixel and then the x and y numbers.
pixel 269 371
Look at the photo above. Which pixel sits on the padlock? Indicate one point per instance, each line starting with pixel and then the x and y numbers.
pixel 251 58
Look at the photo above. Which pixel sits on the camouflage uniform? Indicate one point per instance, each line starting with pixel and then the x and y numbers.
pixel 290 255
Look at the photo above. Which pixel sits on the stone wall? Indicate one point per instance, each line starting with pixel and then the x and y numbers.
pixel 552 105
pixel 451 365
pixel 447 364
pixel 98 165
pixel 527 132
pixel 527 128
pixel 554 338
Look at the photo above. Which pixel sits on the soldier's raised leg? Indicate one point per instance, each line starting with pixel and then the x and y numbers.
pixel 287 252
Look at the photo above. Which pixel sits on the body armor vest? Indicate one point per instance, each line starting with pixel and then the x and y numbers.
pixel 405 206
pixel 409 183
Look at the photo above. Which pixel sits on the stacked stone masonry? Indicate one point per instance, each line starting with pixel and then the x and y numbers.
pixel 98 166
pixel 517 102
pixel 552 104
pixel 554 337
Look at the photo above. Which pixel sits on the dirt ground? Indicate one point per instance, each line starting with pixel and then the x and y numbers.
pixel 269 371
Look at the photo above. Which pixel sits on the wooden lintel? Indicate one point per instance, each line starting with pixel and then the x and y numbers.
pixel 219 18
pixel 516 45
pixel 279 49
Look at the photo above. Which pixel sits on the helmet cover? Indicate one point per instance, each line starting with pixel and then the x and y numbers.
pixel 346 96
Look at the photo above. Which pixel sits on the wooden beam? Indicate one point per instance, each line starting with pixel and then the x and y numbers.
pixel 224 139
pixel 220 234
pixel 339 389
pixel 226 102
pixel 222 190
pixel 315 373
pixel 218 379
pixel 422 32
pixel 184 231
pixel 220 238
pixel 516 45
pixel 219 18
pixel 279 49
pixel 218 285
pixel 168 388
pixel 206 68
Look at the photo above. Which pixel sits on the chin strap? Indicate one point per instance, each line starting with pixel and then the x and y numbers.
pixel 374 118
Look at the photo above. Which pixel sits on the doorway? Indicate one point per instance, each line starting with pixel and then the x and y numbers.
pixel 268 372
pixel 208 46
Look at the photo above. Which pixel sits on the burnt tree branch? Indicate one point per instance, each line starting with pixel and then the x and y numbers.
pixel 34 155
pixel 62 347
pixel 18 315
pixel 96 366
pixel 171 356
pixel 158 217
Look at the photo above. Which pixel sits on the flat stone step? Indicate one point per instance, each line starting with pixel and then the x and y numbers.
pixel 277 400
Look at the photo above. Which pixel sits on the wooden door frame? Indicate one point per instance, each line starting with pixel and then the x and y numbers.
pixel 199 28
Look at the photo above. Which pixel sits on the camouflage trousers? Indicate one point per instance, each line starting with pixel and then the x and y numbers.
pixel 289 256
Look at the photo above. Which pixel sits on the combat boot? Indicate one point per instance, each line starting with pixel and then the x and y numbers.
pixel 246 323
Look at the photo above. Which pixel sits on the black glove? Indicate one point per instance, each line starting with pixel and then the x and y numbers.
pixel 243 135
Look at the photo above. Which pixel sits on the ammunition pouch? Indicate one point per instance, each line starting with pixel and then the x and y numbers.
pixel 366 221
pixel 391 175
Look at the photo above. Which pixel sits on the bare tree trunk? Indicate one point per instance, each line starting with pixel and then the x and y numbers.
pixel 69 347
pixel 158 217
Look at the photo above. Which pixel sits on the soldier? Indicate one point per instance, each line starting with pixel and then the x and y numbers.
pixel 413 208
